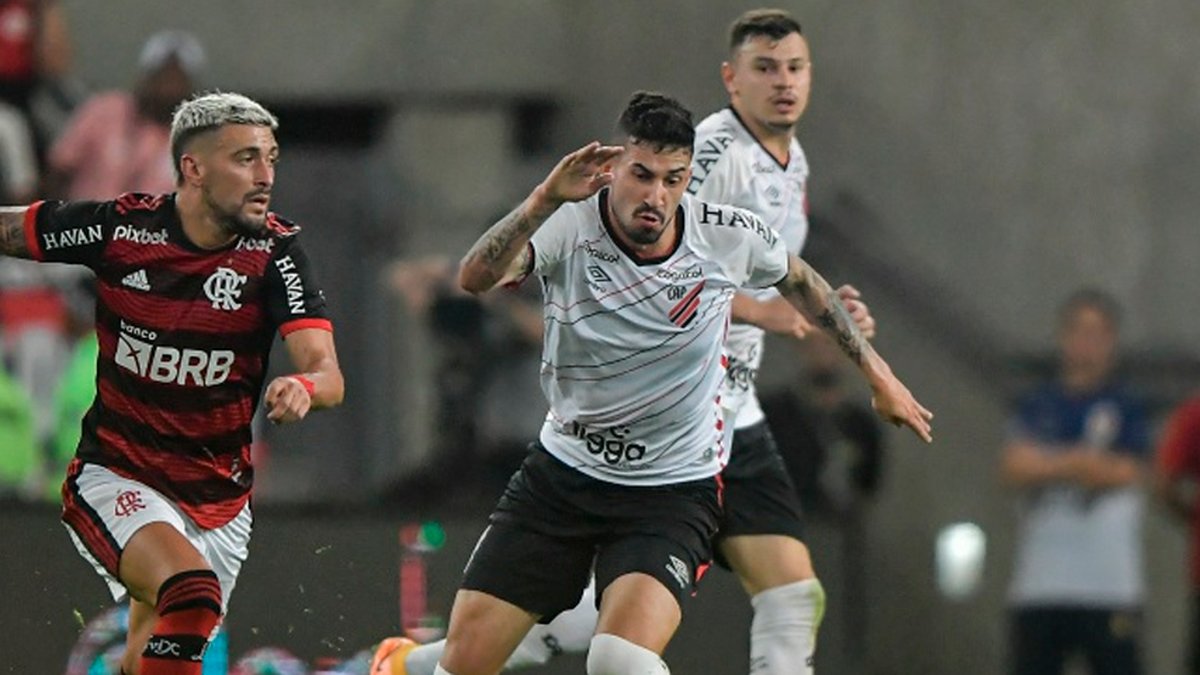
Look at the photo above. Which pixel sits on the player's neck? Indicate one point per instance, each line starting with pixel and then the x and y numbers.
pixel 199 223
pixel 777 142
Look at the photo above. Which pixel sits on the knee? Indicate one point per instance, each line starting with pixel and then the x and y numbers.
pixel 612 655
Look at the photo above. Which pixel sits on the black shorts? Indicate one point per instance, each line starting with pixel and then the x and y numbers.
pixel 760 497
pixel 554 525
pixel 1043 638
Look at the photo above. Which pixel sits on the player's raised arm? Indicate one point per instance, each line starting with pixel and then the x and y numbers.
pixel 501 254
pixel 12 232
pixel 809 292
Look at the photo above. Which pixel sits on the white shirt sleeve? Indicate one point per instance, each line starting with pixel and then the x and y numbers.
pixel 554 240
pixel 768 260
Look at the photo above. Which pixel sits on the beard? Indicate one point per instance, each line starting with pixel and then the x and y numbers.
pixel 640 235
pixel 234 221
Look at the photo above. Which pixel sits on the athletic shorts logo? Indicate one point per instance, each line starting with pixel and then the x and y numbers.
pixel 171 365
pixel 129 502
pixel 136 280
pixel 160 647
pixel 224 288
pixel 679 570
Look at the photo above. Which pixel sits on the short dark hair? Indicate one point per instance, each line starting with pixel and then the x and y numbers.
pixel 1093 299
pixel 774 24
pixel 659 120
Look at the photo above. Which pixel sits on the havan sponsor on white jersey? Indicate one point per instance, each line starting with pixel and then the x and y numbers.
pixel 632 359
pixel 731 167
pixel 138 353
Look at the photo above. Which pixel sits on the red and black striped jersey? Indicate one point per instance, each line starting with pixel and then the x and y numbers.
pixel 185 334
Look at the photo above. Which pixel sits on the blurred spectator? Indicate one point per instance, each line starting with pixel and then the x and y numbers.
pixel 489 400
pixel 1075 455
pixel 1178 472
pixel 35 50
pixel 20 456
pixel 119 141
pixel 18 164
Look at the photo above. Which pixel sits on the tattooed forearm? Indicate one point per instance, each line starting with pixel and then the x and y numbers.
pixel 12 232
pixel 808 291
pixel 837 322
pixel 491 260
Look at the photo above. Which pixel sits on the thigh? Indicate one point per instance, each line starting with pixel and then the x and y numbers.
pixel 542 575
pixel 1110 641
pixel 759 497
pixel 484 630
pixel 764 561
pixel 226 549
pixel 1038 645
pixel 128 531
pixel 663 533
pixel 638 608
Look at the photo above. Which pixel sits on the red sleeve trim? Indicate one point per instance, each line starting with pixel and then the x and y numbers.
pixel 31 239
pixel 290 327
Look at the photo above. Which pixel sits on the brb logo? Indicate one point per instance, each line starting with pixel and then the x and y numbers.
pixel 170 365
pixel 224 288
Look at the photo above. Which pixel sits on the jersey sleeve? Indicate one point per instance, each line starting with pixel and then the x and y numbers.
pixel 768 263
pixel 553 241
pixel 68 232
pixel 294 300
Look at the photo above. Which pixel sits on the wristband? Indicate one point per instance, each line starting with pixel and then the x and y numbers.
pixel 308 384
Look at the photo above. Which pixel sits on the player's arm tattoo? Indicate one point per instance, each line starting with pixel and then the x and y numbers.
pixel 501 254
pixel 12 232
pixel 808 291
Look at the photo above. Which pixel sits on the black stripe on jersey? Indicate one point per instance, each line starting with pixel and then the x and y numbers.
pixel 241 343
pixel 172 398
pixel 604 310
pixel 715 311
pixel 200 447
pixel 170 284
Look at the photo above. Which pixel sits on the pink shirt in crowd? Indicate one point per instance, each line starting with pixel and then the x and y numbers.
pixel 108 149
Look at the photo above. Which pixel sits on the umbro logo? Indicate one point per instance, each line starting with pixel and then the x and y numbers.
pixel 137 281
pixel 596 273
pixel 679 570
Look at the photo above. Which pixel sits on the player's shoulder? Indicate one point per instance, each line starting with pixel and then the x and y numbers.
pixel 278 227
pixel 141 204
pixel 725 223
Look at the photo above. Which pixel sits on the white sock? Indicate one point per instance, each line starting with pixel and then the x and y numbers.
pixel 783 633
pixel 612 655
pixel 424 659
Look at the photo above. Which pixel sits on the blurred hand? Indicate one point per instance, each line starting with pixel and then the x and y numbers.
pixel 286 400
pixel 859 312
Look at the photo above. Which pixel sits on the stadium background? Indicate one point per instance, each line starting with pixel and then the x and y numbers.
pixel 974 162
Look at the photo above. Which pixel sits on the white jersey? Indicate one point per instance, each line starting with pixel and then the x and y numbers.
pixel 730 166
pixel 633 356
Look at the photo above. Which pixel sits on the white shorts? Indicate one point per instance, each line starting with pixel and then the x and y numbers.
pixel 111 508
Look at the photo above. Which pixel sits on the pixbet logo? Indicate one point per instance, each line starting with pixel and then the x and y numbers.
pixel 138 236
pixel 171 365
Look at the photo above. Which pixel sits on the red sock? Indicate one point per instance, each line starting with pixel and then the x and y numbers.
pixel 189 608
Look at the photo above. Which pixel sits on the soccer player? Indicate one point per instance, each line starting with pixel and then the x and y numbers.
pixel 747 155
pixel 637 280
pixel 192 287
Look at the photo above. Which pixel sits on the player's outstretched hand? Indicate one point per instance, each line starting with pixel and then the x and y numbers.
pixel 581 174
pixel 895 403
pixel 859 312
pixel 286 400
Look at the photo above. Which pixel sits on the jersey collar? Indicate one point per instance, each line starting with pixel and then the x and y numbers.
pixel 602 203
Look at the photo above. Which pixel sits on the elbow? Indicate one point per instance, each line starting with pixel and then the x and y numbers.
pixel 473 279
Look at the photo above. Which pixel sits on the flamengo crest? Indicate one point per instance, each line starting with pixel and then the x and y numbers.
pixel 224 288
